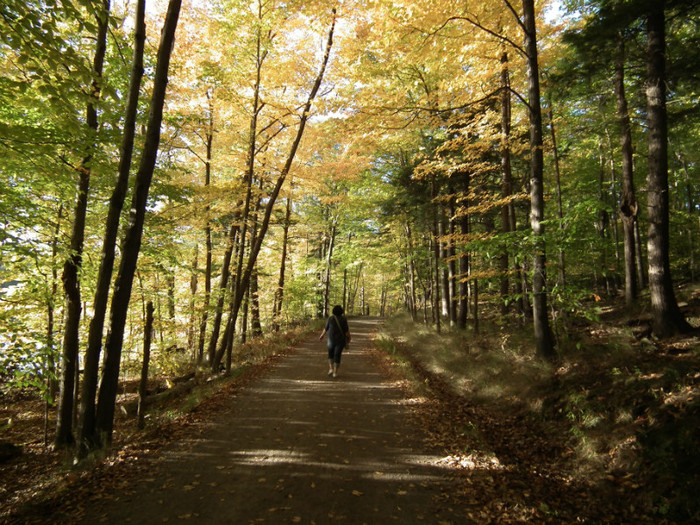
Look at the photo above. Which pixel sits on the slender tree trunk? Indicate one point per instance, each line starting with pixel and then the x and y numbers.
pixel 638 249
pixel 543 336
pixel 507 178
pixel 444 275
pixel 53 386
pixel 279 293
pixel 411 272
pixel 613 199
pixel 452 265
pixel 143 383
pixel 560 208
pixel 132 240
pixel 240 286
pixel 104 276
pixel 71 269
pixel 255 325
pixel 244 320
pixel 463 302
pixel 436 259
pixel 602 222
pixel 628 201
pixel 272 197
pixel 207 233
pixel 221 298
pixel 475 293
pixel 329 260
pixel 693 213
pixel 667 317
pixel 345 289
pixel 50 363
pixel 194 281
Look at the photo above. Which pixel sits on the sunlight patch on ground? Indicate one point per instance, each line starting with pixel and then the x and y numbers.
pixel 473 462
pixel 394 469
pixel 412 401
pixel 271 456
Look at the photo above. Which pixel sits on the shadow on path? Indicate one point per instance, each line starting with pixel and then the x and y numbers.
pixel 297 446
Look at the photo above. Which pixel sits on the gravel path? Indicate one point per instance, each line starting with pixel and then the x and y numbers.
pixel 297 446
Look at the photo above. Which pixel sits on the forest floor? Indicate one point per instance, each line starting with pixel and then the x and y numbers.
pixel 417 429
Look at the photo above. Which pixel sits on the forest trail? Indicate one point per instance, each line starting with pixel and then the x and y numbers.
pixel 297 446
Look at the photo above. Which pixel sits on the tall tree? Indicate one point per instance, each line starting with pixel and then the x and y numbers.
pixel 72 266
pixel 279 291
pixel 628 200
pixel 272 198
pixel 543 336
pixel 668 319
pixel 132 239
pixel 104 276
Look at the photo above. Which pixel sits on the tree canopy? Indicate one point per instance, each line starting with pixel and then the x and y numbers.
pixel 458 160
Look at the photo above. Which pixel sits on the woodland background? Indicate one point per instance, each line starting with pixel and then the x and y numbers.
pixel 255 163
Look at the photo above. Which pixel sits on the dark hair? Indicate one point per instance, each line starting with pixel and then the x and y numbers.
pixel 337 310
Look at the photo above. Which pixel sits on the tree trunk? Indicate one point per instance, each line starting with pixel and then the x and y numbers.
pixel 692 212
pixel 194 281
pixel 543 336
pixel 614 199
pixel 507 179
pixel 345 289
pixel 279 293
pixel 327 272
pixel 72 266
pixel 560 208
pixel 255 325
pixel 223 285
pixel 272 197
pixel 463 302
pixel 602 224
pixel 104 276
pixel 411 273
pixel 240 288
pixel 132 240
pixel 143 383
pixel 667 317
pixel 642 277
pixel 53 386
pixel 628 201
pixel 475 293
pixel 207 232
pixel 451 265
pixel 170 283
pixel 444 271
pixel 436 258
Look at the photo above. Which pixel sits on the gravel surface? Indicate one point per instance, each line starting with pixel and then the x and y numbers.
pixel 298 446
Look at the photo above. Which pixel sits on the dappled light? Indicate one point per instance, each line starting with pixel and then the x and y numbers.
pixel 306 445
pixel 501 198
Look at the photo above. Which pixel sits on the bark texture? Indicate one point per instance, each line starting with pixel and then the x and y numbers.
pixel 543 336
pixel 667 317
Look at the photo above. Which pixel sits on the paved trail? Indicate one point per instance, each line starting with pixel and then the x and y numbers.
pixel 297 446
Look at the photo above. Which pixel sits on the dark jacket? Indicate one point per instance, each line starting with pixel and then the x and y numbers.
pixel 336 328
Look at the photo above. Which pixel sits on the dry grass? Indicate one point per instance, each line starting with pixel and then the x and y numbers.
pixel 628 406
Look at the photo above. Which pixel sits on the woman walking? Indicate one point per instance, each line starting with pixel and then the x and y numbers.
pixel 338 334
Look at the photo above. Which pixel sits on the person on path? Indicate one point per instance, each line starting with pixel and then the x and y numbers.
pixel 338 334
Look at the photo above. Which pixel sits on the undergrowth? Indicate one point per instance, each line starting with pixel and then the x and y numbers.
pixel 630 405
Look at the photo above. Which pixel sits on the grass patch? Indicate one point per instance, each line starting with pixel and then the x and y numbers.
pixel 626 406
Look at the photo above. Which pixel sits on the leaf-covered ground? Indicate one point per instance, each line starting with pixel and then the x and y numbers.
pixel 607 435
